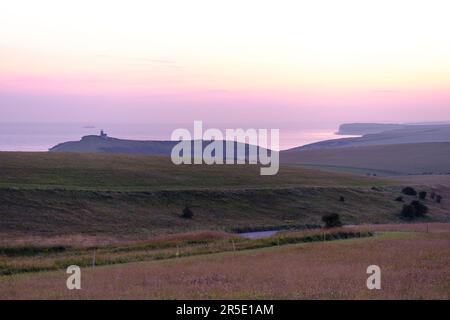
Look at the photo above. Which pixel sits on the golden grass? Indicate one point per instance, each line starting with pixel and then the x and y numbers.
pixel 35 258
pixel 413 267
pixel 86 241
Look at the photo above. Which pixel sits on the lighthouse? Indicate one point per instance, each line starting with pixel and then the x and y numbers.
pixel 103 135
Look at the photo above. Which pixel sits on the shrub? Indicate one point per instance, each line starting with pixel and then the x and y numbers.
pixel 332 220
pixel 422 195
pixel 433 195
pixel 399 199
pixel 420 208
pixel 408 211
pixel 438 198
pixel 414 209
pixel 187 213
pixel 341 199
pixel 409 191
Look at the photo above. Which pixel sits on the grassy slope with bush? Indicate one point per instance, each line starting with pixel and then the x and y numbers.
pixel 44 194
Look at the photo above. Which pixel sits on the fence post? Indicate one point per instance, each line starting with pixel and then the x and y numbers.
pixel 93 258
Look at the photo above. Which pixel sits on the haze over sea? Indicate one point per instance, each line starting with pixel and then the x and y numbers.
pixel 42 136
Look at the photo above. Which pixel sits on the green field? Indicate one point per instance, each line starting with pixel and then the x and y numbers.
pixel 383 160
pixel 100 195
pixel 123 210
pixel 115 172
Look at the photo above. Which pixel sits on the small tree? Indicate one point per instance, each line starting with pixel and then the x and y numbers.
pixel 438 198
pixel 341 199
pixel 409 191
pixel 332 220
pixel 433 195
pixel 420 208
pixel 399 199
pixel 187 213
pixel 408 211
pixel 422 195
pixel 414 209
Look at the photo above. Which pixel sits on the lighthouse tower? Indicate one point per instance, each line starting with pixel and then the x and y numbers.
pixel 103 135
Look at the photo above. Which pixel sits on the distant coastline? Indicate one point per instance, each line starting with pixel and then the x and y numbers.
pixel 41 137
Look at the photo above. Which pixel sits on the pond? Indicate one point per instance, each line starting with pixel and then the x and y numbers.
pixel 258 234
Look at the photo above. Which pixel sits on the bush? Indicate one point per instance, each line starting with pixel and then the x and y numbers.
pixel 409 191
pixel 433 195
pixel 414 209
pixel 422 195
pixel 399 199
pixel 332 220
pixel 341 199
pixel 420 208
pixel 187 213
pixel 438 199
pixel 408 211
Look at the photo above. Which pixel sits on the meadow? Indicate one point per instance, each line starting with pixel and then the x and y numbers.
pixel 119 217
pixel 25 258
pixel 413 258
pixel 128 173
pixel 48 195
pixel 382 160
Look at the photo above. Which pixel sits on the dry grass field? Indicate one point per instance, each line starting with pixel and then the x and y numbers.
pixel 59 209
pixel 411 158
pixel 413 259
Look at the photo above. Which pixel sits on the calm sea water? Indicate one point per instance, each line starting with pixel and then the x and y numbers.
pixel 42 136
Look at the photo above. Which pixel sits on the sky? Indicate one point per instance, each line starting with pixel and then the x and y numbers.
pixel 258 63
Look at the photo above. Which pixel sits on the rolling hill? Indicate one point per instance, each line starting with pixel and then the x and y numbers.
pixel 407 134
pixel 396 159
pixel 136 196
pixel 105 144
pixel 98 144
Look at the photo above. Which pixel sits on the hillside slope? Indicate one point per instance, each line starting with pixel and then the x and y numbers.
pixel 407 134
pixel 131 196
pixel 121 172
pixel 414 158
pixel 99 144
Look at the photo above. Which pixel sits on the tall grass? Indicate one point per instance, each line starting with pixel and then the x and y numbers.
pixel 23 259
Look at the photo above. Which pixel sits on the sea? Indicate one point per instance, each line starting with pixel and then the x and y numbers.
pixel 42 136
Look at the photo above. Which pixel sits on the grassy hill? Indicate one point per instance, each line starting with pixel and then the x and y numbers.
pixel 113 145
pixel 412 158
pixel 407 134
pixel 104 195
pixel 117 172
pixel 104 144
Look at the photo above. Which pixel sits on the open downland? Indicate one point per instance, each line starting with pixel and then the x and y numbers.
pixel 117 172
pixel 384 160
pixel 413 259
pixel 57 209
pixel 44 195
pixel 137 215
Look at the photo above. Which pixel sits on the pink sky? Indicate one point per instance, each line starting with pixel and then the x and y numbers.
pixel 273 63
